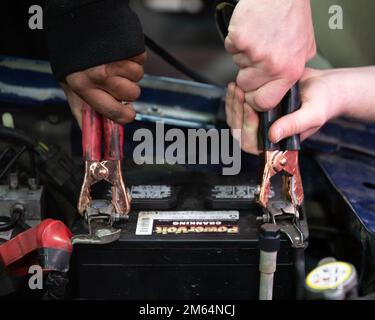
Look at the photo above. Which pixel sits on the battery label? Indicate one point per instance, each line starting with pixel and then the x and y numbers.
pixel 154 192
pixel 235 192
pixel 187 222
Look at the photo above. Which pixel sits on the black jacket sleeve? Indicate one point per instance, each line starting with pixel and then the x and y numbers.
pixel 86 33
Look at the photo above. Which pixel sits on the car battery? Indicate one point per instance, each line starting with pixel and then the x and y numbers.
pixel 187 251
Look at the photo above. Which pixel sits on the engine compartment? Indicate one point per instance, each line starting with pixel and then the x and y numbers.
pixel 42 171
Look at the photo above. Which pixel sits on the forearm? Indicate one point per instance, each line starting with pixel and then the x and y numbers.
pixel 355 91
pixel 86 33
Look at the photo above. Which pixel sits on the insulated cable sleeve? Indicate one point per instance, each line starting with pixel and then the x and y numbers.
pixel 289 104
pixel 174 62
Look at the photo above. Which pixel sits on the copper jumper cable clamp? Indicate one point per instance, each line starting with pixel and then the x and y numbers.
pixel 282 158
pixel 100 215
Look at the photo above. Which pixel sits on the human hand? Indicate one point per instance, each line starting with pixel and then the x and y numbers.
pixel 270 41
pixel 104 87
pixel 323 98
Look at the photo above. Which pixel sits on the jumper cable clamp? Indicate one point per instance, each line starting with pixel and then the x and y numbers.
pixel 101 216
pixel 282 159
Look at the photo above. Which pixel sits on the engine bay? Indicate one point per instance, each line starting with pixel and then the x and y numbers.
pixel 192 233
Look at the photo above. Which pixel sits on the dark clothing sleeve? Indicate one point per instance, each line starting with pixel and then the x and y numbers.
pixel 86 33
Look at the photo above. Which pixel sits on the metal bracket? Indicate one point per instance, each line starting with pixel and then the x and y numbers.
pixel 100 216
pixel 285 215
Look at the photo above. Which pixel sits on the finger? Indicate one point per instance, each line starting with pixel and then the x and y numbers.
pixel 108 106
pixel 297 122
pixel 249 138
pixel 242 60
pixel 229 46
pixel 238 108
pixel 229 103
pixel 237 113
pixel 250 79
pixel 267 96
pixel 75 103
pixel 126 69
pixel 309 133
pixel 140 59
pixel 122 89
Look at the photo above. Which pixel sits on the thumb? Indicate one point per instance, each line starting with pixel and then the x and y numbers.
pixel 306 118
pixel 75 103
pixel 267 96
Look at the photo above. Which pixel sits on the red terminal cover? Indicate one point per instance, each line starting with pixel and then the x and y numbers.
pixel 49 233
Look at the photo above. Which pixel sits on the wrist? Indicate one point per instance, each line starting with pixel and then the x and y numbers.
pixel 340 86
pixel 355 92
